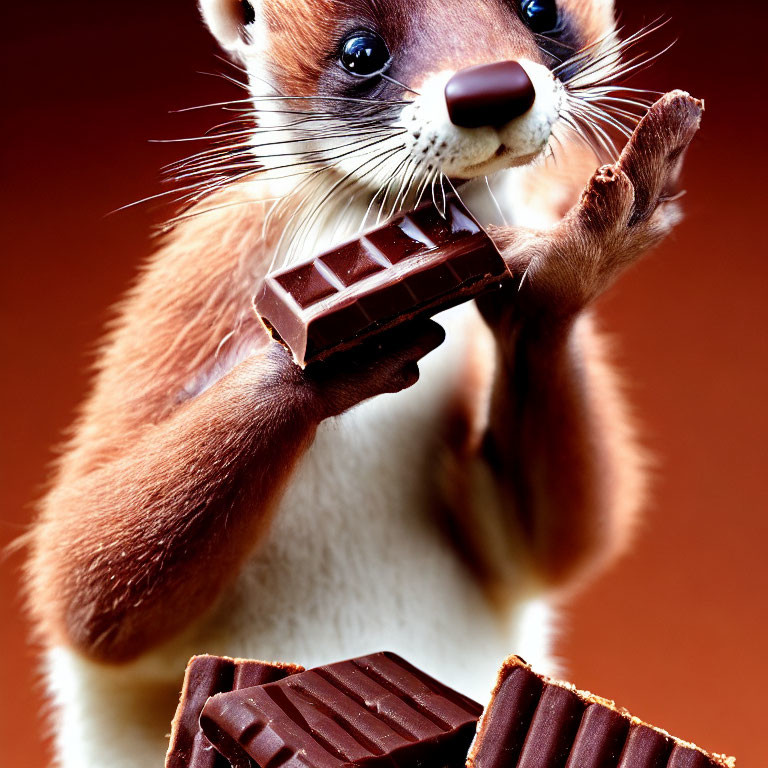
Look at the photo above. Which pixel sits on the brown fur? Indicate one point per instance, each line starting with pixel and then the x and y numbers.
pixel 559 440
pixel 164 339
pixel 425 37
pixel 173 468
pixel 296 61
pixel 160 496
pixel 562 446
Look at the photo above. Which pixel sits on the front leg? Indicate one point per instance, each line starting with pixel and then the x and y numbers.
pixel 133 549
pixel 558 441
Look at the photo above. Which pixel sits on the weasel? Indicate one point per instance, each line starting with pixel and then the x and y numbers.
pixel 433 492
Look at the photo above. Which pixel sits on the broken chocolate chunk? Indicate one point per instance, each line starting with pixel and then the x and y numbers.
pixel 204 677
pixel 534 722
pixel 371 711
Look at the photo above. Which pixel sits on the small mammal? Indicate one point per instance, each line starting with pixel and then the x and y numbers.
pixel 430 493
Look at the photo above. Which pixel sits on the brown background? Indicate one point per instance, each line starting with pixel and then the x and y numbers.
pixel 677 630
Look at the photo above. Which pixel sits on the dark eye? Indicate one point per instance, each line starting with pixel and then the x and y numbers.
pixel 541 16
pixel 247 13
pixel 364 54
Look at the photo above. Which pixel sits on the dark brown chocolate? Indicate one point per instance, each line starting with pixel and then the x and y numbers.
pixel 204 677
pixel 371 711
pixel 417 264
pixel 534 722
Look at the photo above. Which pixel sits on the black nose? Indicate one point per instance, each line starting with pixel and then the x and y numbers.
pixel 491 94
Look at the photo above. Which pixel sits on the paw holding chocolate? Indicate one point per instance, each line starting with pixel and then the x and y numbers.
pixel 416 265
pixel 425 261
pixel 379 710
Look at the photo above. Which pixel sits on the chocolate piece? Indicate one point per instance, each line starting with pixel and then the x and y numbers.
pixel 553 729
pixel 600 739
pixel 204 677
pixel 417 264
pixel 534 722
pixel 371 711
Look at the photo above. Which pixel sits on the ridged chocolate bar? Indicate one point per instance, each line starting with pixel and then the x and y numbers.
pixel 204 677
pixel 417 264
pixel 371 711
pixel 534 722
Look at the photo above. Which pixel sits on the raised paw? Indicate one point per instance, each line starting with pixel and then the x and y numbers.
pixel 653 157
pixel 625 209
pixel 647 174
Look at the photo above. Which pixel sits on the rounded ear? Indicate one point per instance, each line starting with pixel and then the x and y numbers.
pixel 227 20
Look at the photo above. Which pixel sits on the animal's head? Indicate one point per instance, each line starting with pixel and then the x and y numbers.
pixel 404 92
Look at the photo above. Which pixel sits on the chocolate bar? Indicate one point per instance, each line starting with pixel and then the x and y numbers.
pixel 534 722
pixel 204 677
pixel 372 711
pixel 417 264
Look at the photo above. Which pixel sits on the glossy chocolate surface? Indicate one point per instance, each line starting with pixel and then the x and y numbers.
pixel 206 676
pixel 375 710
pixel 417 264
pixel 532 722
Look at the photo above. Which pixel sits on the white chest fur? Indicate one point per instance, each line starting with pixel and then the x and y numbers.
pixel 354 563
pixel 355 560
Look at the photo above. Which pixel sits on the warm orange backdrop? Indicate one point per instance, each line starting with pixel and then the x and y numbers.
pixel 677 631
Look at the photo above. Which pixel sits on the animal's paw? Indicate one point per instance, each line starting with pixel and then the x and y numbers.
pixel 382 364
pixel 626 208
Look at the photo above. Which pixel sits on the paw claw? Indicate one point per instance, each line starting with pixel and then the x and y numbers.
pixel 608 199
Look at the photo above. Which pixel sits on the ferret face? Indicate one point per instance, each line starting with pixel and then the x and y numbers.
pixel 386 89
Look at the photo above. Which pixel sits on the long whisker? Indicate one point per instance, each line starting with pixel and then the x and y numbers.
pixel 423 186
pixel 495 202
pixel 220 177
pixel 297 196
pixel 393 177
pixel 596 104
pixel 341 150
pixel 255 159
pixel 277 97
pixel 586 64
pixel 406 178
pixel 354 176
